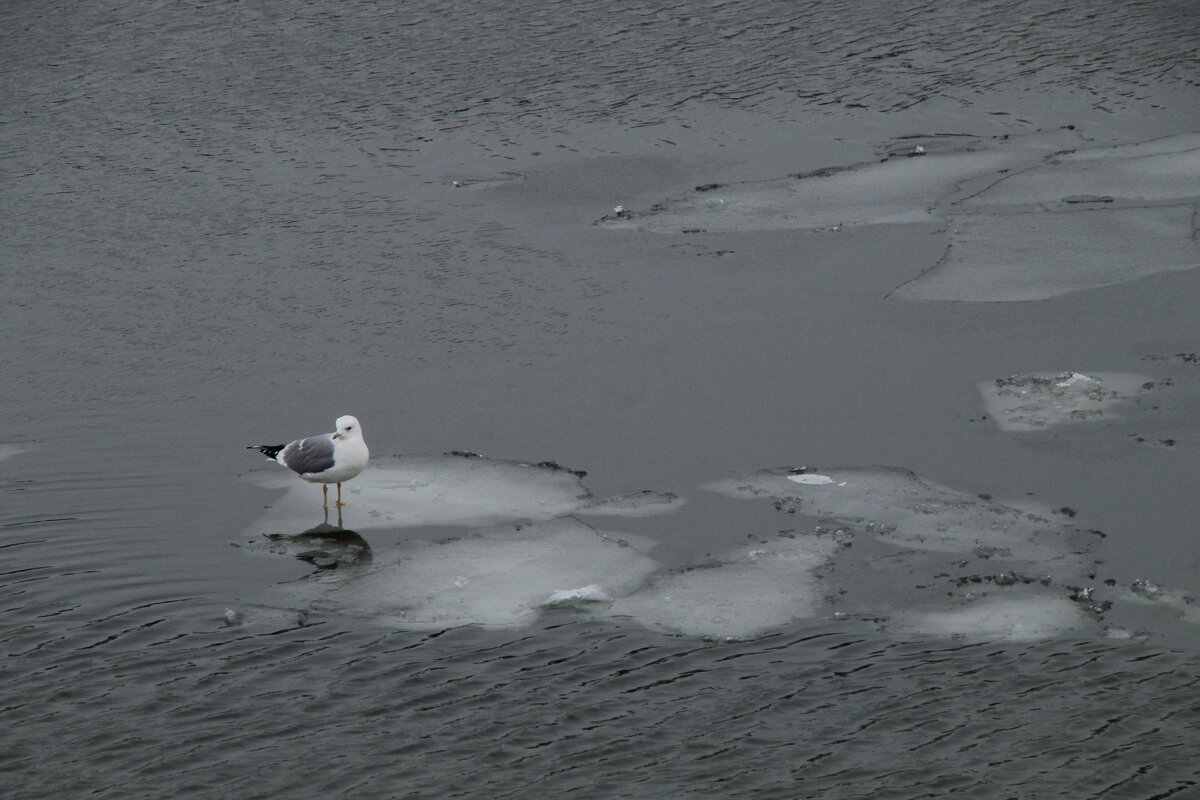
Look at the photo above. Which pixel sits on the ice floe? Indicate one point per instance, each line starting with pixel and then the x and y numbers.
pixel 453 489
pixel 494 578
pixel 1150 593
pixel 419 490
pixel 1160 170
pixel 1010 618
pixel 500 545
pixel 1040 255
pixel 738 595
pixel 924 559
pixel 1043 400
pixel 900 508
pixel 575 598
pixel 1026 217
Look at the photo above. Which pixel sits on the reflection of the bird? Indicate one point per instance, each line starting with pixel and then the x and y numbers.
pixel 325 546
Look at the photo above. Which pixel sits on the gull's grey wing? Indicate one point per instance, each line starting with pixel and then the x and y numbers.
pixel 306 456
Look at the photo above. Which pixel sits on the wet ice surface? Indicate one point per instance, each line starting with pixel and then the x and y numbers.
pixel 1030 618
pixel 903 509
pixel 1044 400
pixel 951 563
pixel 1024 221
pixel 488 571
pixel 1155 171
pixel 881 544
pixel 500 577
pixel 1039 255
pixel 413 491
pixel 505 575
pixel 737 595
pixel 1184 605
pixel 453 489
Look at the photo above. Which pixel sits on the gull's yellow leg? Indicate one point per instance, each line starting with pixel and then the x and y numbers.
pixel 325 495
pixel 340 504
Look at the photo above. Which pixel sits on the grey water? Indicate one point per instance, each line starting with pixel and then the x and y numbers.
pixel 227 224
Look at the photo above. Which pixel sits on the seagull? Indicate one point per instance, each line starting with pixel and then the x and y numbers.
pixel 327 458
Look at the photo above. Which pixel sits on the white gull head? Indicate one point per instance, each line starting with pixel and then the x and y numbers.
pixel 347 427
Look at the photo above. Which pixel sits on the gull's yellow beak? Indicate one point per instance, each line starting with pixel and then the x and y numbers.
pixel 336 435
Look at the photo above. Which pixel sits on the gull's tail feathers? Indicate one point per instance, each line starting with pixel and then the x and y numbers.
pixel 268 450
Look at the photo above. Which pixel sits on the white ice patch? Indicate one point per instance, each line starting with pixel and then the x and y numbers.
pixel 493 578
pixel 1025 219
pixel 902 509
pixel 812 480
pixel 1043 400
pixel 737 596
pixel 581 597
pixel 1160 170
pixel 909 545
pixel 413 491
pixel 1148 592
pixel 996 618
pixel 1038 255
pixel 1080 220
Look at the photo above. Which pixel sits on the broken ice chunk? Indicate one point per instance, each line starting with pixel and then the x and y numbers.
pixel 996 618
pixel 493 577
pixel 584 596
pixel 412 491
pixel 1038 255
pixel 738 595
pixel 1143 591
pixel 1042 400
pixel 1159 170
pixel 903 509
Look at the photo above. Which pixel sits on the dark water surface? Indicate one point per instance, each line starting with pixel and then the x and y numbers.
pixel 226 223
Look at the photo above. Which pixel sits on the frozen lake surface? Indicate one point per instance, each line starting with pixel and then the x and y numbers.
pixel 839 224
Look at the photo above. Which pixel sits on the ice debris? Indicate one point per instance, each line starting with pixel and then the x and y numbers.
pixel 1010 618
pixel 738 595
pixel 1154 171
pixel 1026 217
pixel 885 546
pixel 1148 592
pixel 900 508
pixel 1038 255
pixel 498 577
pixel 1042 400
pixel 581 597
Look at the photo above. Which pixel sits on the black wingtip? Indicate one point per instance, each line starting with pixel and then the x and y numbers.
pixel 268 450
